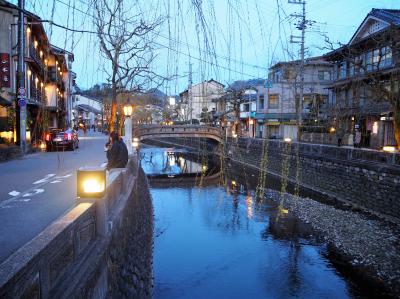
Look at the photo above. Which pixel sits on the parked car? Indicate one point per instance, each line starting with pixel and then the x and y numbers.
pixel 57 138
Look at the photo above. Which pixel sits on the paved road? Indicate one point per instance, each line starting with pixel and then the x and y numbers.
pixel 39 188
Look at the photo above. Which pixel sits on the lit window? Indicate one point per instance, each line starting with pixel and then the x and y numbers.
pixel 273 101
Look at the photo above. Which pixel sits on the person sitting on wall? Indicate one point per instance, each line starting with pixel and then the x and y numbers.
pixel 117 153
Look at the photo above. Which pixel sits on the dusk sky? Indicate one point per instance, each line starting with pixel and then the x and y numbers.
pixel 244 36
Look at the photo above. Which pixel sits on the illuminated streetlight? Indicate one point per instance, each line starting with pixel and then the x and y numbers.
pixel 128 109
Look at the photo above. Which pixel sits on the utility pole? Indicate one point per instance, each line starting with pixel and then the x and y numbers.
pixel 301 26
pixel 190 95
pixel 20 104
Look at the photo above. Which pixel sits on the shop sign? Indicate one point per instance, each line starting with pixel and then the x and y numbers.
pixel 5 76
pixel 268 84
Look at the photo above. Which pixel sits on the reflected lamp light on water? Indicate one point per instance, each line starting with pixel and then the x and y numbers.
pixel 91 182
pixel 287 139
pixel 389 149
pixel 284 211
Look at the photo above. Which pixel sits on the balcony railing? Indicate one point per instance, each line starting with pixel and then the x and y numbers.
pixel 52 74
pixel 37 95
pixel 33 53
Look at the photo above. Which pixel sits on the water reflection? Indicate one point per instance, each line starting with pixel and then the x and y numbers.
pixel 219 242
pixel 161 162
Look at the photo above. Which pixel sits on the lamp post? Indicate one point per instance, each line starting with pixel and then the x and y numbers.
pixel 128 109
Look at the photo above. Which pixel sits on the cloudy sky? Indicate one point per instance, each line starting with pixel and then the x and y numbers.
pixel 225 40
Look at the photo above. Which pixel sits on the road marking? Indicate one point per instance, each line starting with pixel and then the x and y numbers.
pixel 24 199
pixel 55 182
pixel 45 179
pixel 14 193
pixel 64 176
pixel 35 191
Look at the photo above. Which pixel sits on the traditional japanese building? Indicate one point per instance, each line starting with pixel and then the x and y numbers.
pixel 48 76
pixel 366 81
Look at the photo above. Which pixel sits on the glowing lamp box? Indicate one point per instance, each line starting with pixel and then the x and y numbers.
pixel 91 181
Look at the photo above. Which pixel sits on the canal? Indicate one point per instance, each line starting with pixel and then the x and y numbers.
pixel 213 240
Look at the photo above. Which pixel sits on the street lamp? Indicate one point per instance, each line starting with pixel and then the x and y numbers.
pixel 128 109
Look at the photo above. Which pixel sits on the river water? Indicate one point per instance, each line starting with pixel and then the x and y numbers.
pixel 214 241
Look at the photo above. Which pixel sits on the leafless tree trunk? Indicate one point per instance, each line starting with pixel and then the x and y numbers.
pixel 126 34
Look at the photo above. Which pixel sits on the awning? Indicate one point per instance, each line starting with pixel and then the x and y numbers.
pixel 281 117
pixel 87 108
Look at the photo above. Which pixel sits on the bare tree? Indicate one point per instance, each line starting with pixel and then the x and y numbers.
pixel 127 41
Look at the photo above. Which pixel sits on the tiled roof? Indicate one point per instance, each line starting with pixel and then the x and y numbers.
pixel 391 16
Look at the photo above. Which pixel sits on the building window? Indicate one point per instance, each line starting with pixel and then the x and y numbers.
pixel 351 69
pixel 277 76
pixel 375 59
pixel 307 102
pixel 261 102
pixel 324 75
pixel 273 101
pixel 342 70
pixel 359 65
pixel 386 56
pixel 368 61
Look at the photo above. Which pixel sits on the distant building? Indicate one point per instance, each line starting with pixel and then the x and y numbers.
pixel 276 113
pixel 48 76
pixel 198 100
pixel 366 80
pixel 87 110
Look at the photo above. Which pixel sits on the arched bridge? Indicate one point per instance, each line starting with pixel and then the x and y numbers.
pixel 156 131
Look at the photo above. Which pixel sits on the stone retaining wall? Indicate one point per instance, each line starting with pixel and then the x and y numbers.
pixel 366 179
pixel 130 251
pixel 102 248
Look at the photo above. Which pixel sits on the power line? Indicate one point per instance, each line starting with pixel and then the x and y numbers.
pixel 208 52
pixel 156 43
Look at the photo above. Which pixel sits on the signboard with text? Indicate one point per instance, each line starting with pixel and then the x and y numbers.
pixel 5 73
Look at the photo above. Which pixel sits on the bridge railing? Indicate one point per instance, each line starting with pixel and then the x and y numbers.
pixel 178 129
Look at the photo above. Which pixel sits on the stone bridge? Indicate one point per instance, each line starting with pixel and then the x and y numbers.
pixel 156 131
